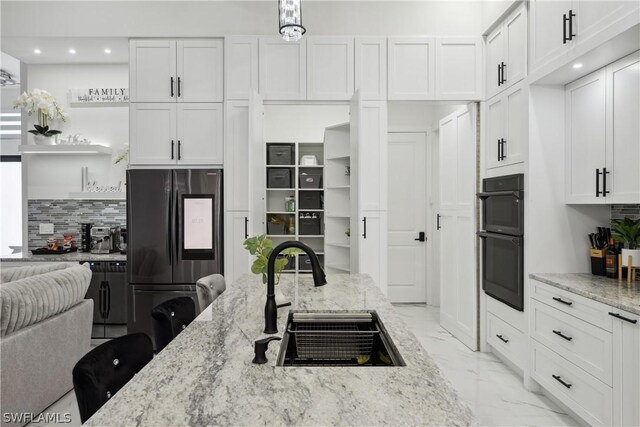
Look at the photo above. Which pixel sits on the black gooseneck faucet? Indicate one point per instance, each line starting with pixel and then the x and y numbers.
pixel 271 308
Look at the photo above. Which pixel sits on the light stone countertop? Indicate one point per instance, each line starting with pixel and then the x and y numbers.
pixel 205 376
pixel 613 292
pixel 69 257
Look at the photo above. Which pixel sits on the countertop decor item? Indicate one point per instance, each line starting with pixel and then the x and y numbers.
pixel 44 104
pixel 627 231
pixel 261 247
pixel 290 14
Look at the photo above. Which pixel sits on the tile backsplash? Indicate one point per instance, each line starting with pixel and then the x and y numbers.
pixel 621 211
pixel 66 216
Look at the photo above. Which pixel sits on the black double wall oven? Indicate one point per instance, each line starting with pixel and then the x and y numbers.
pixel 503 239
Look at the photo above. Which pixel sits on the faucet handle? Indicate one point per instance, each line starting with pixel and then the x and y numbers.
pixel 261 347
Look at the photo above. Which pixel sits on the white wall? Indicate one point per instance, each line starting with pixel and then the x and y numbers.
pixel 55 176
pixel 214 18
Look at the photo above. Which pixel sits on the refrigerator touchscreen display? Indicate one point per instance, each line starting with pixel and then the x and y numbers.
pixel 198 217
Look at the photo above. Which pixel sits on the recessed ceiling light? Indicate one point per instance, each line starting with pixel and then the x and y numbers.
pixel 107 51
pixel 37 51
pixel 72 51
pixel 577 65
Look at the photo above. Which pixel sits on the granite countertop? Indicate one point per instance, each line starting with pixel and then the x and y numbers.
pixel 70 257
pixel 205 376
pixel 613 292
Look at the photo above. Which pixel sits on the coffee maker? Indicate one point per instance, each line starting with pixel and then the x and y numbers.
pixel 104 240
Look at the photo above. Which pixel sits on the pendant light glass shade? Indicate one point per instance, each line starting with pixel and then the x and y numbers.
pixel 290 12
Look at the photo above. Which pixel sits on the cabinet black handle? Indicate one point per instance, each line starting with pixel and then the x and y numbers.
pixel 246 227
pixel 502 79
pixel 571 16
pixel 598 173
pixel 172 87
pixel 502 144
pixel 503 339
pixel 364 231
pixel 626 319
pixel 560 334
pixel 604 182
pixel 559 379
pixel 108 300
pixel 564 28
pixel 178 87
pixel 499 74
pixel 561 301
pixel 438 222
pixel 172 147
pixel 179 150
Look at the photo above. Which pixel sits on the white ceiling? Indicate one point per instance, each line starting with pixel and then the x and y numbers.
pixel 55 50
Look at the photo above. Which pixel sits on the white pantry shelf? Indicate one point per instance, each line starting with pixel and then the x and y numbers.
pixel 65 149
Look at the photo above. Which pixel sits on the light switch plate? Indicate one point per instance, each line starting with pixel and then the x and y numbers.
pixel 46 228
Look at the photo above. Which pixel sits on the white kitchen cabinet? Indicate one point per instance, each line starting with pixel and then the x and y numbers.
pixel 459 68
pixel 200 134
pixel 199 74
pixel 506 56
pixel 507 127
pixel 330 68
pixel 283 69
pixel 547 32
pixel 371 67
pixel 626 369
pixel 237 260
pixel 152 70
pixel 592 17
pixel 602 130
pixel 236 156
pixel 241 66
pixel 153 133
pixel 623 130
pixel 411 68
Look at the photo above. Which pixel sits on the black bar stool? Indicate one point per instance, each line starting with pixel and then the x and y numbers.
pixel 170 318
pixel 107 368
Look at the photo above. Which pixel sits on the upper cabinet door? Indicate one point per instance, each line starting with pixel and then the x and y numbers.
pixel 495 131
pixel 411 68
pixel 152 70
pixel 330 72
pixel 592 17
pixel 152 128
pixel 200 136
pixel 199 76
pixel 495 57
pixel 514 147
pixel 371 67
pixel 241 66
pixel 585 139
pixel 546 34
pixel 515 30
pixel 623 130
pixel 459 68
pixel 283 69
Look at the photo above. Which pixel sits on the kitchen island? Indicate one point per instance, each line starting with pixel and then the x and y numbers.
pixel 205 376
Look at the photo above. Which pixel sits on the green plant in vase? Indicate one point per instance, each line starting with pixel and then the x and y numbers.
pixel 261 247
pixel 627 231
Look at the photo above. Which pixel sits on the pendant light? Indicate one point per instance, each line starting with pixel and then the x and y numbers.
pixel 290 14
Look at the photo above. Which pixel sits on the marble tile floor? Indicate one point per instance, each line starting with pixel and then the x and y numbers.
pixel 494 392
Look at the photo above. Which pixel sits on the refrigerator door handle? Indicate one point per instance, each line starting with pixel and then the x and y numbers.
pixel 107 302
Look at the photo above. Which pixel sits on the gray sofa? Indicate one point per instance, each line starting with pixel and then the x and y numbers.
pixel 45 328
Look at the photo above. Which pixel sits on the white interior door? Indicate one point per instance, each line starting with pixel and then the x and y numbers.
pixel 459 287
pixel 406 214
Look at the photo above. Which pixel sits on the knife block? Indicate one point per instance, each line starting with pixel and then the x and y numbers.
pixel 599 262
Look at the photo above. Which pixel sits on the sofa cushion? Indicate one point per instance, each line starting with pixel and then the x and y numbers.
pixel 16 273
pixel 33 298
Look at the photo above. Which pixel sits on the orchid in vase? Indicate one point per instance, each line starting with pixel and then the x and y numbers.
pixel 44 104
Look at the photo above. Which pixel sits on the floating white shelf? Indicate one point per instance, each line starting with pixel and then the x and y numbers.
pixel 315 236
pixel 311 167
pixel 339 187
pixel 281 189
pixel 65 149
pixel 310 189
pixel 280 213
pixel 309 210
pixel 94 195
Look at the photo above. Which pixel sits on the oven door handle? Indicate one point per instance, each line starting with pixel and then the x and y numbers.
pixel 515 193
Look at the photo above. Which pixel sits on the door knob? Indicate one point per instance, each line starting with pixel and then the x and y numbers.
pixel 421 237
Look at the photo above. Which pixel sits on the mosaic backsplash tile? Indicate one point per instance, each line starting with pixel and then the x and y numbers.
pixel 621 211
pixel 66 216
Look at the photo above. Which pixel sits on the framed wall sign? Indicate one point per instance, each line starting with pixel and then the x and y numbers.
pixel 99 95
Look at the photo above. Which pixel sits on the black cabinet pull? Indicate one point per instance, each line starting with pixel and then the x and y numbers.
pixel 502 79
pixel 571 16
pixel 564 28
pixel 502 144
pixel 108 300
pixel 560 334
pixel 246 227
pixel 178 87
pixel 499 74
pixel 172 146
pixel 172 87
pixel 559 379
pixel 626 319
pixel 438 222
pixel 503 339
pixel 598 173
pixel 605 172
pixel 179 150
pixel 364 231
pixel 561 301
pixel 499 149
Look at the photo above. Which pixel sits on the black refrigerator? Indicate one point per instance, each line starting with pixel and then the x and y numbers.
pixel 174 222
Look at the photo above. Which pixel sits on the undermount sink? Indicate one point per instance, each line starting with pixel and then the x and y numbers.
pixel 337 338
